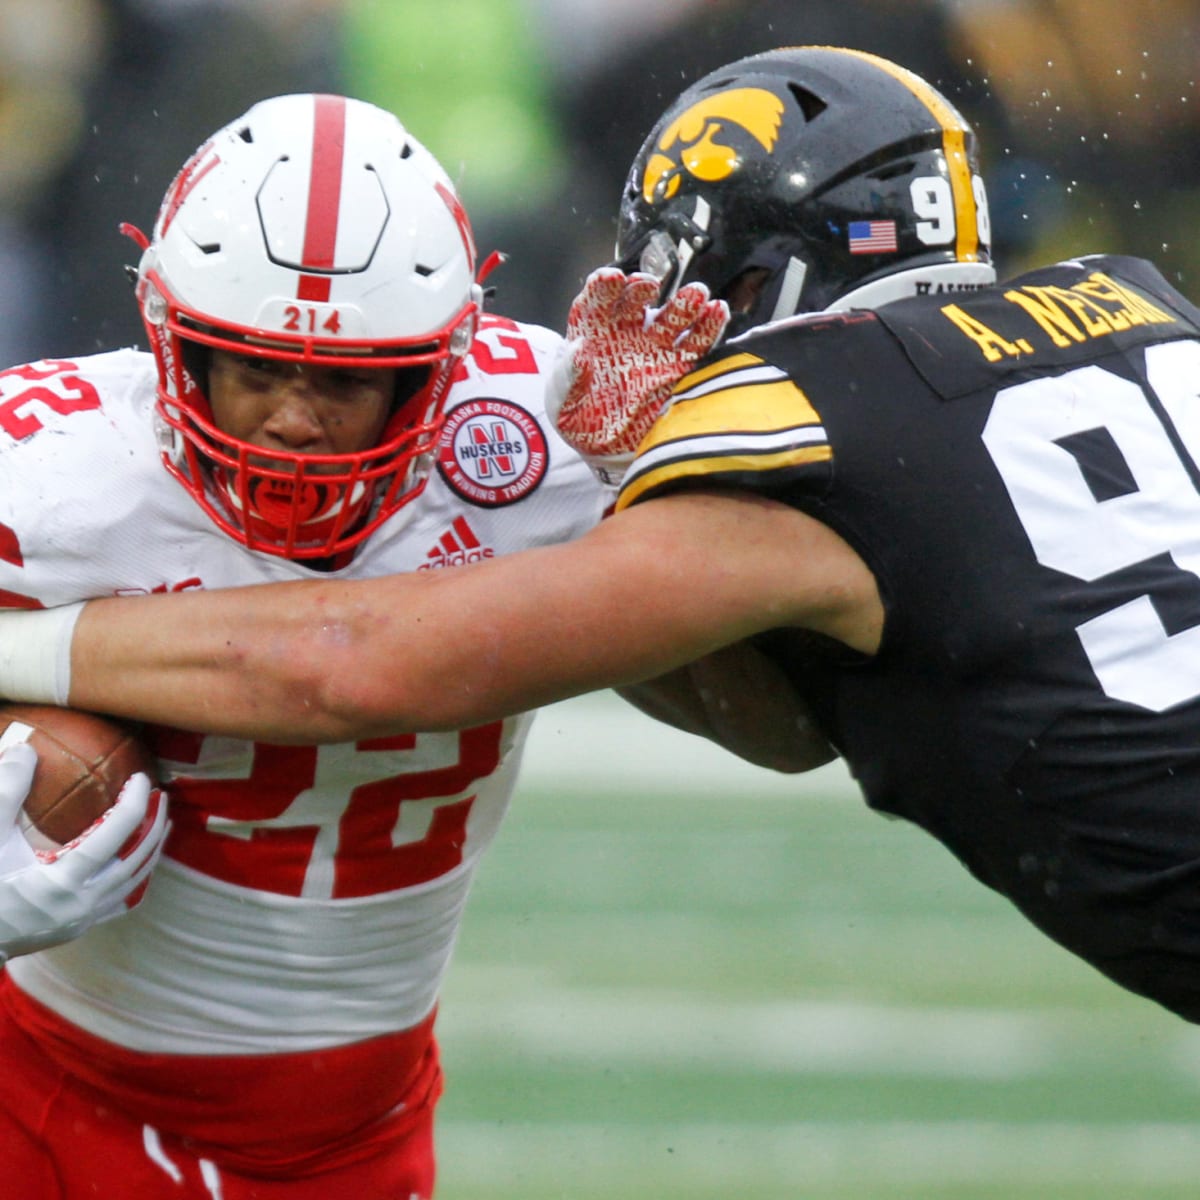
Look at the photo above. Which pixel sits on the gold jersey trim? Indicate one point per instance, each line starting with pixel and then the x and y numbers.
pixel 698 470
pixel 736 415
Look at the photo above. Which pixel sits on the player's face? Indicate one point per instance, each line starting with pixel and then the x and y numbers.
pixel 296 408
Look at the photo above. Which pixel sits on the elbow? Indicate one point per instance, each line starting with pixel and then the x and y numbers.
pixel 349 705
pixel 794 760
pixel 321 710
pixel 331 684
pixel 362 662
pixel 350 700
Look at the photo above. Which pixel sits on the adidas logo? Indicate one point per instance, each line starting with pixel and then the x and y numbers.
pixel 456 547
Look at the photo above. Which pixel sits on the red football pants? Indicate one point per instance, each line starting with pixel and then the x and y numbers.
pixel 62 1139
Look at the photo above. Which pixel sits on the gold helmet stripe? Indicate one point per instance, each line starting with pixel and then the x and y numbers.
pixel 954 145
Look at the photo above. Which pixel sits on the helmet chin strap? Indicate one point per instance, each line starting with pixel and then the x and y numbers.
pixel 686 249
pixel 790 289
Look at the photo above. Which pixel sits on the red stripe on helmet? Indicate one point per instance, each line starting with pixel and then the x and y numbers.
pixel 324 186
pixel 459 214
pixel 193 171
pixel 314 287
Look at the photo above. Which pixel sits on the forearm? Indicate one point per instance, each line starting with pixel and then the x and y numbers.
pixel 293 663
pixel 335 661
pixel 223 663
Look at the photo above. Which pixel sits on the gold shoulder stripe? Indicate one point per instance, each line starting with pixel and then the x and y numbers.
pixel 747 408
pixel 699 470
pixel 734 362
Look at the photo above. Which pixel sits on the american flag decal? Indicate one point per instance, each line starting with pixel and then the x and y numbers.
pixel 872 237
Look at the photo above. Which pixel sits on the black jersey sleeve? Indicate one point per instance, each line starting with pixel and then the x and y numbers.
pixel 738 421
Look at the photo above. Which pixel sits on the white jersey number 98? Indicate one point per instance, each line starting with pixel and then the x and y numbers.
pixel 1072 531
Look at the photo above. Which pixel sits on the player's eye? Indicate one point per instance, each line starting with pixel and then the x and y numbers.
pixel 351 378
pixel 262 366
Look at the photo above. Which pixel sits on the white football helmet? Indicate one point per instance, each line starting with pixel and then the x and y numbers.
pixel 314 229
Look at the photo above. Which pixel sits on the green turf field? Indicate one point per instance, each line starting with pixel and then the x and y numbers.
pixel 681 976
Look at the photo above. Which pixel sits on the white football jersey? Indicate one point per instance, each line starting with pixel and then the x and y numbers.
pixel 309 896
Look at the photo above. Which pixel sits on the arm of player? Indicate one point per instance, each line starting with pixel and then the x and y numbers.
pixel 740 699
pixel 51 897
pixel 646 591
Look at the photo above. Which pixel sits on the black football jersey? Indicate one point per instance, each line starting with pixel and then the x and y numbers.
pixel 1020 468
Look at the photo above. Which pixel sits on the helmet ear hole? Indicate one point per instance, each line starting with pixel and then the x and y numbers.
pixel 744 290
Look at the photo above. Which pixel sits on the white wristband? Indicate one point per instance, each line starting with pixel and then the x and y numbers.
pixel 35 653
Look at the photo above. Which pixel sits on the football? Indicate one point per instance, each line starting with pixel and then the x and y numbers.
pixel 83 762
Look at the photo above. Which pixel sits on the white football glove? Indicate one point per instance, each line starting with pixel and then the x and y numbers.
pixel 48 897
pixel 622 359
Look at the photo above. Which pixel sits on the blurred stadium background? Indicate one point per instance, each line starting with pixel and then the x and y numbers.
pixel 681 976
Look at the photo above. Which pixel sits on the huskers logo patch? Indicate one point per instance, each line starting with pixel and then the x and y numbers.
pixel 492 452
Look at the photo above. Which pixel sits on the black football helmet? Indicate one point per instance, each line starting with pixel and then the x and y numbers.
pixel 839 178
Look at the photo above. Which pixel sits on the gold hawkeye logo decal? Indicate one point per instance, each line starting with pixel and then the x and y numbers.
pixel 696 135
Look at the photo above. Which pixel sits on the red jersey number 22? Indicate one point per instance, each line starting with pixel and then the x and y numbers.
pixel 325 821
